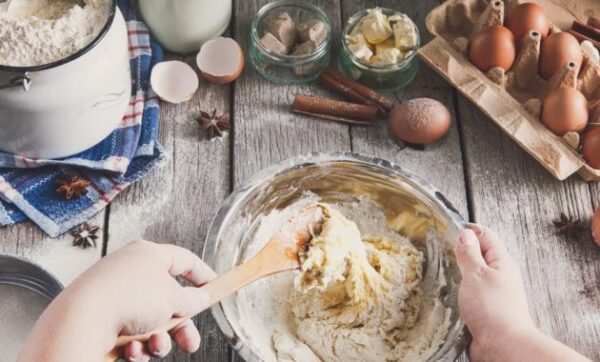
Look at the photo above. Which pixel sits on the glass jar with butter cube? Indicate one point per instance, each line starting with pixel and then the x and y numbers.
pixel 379 48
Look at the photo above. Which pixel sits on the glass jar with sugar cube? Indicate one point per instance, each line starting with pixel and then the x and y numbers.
pixel 378 49
pixel 290 42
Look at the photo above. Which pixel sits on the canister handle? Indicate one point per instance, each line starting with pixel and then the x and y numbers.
pixel 19 81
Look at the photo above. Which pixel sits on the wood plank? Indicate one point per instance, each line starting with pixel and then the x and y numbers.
pixel 265 130
pixel 441 164
pixel 176 203
pixel 514 195
pixel 58 256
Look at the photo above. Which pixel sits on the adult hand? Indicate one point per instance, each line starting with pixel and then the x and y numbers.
pixel 131 291
pixel 493 304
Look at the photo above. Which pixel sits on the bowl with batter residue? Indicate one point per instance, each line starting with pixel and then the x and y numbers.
pixel 416 209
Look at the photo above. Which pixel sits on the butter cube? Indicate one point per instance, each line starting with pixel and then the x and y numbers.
pixel 358 45
pixel 405 33
pixel 386 56
pixel 387 44
pixel 375 26
pixel 386 53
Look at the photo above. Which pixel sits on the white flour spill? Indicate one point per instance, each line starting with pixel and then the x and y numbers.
pixel 38 32
pixel 128 223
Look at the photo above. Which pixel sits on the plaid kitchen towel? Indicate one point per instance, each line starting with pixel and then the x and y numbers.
pixel 28 187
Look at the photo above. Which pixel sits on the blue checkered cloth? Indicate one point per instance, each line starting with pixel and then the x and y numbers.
pixel 28 187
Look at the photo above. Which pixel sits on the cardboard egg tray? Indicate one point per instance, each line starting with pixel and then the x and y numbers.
pixel 513 100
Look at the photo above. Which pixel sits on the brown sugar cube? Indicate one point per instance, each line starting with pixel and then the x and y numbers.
pixel 284 29
pixel 305 48
pixel 312 30
pixel 271 44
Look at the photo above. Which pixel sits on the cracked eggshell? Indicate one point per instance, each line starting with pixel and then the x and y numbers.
pixel 220 60
pixel 174 81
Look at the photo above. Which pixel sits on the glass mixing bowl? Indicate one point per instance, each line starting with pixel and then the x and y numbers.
pixel 335 178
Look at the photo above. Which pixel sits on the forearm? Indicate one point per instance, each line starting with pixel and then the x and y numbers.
pixel 527 345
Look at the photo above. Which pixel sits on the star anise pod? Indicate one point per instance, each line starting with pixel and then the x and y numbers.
pixel 213 124
pixel 84 235
pixel 73 187
pixel 568 226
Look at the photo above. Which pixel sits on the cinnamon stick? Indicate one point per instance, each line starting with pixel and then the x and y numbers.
pixel 350 113
pixel 581 37
pixel 586 30
pixel 354 90
pixel 342 89
pixel 594 22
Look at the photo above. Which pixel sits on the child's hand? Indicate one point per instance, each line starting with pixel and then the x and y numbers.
pixel 493 304
pixel 131 291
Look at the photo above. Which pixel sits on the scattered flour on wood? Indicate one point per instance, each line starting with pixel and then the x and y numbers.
pixel 67 262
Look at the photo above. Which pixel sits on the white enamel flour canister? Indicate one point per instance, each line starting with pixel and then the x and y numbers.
pixel 66 107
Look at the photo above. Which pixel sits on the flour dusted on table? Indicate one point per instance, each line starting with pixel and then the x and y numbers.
pixel 38 32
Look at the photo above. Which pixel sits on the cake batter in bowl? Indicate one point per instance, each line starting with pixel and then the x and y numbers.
pixel 395 298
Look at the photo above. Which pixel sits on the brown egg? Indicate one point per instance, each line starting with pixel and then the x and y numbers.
pixel 565 110
pixel 558 49
pixel 596 226
pixel 492 47
pixel 591 147
pixel 420 120
pixel 525 17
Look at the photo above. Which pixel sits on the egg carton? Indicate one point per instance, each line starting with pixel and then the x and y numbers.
pixel 513 99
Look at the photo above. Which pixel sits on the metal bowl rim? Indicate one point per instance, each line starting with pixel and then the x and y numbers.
pixel 45 275
pixel 232 201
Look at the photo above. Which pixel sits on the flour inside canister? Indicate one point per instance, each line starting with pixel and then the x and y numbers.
pixel 38 32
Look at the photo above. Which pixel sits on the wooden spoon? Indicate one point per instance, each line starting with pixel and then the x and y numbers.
pixel 278 255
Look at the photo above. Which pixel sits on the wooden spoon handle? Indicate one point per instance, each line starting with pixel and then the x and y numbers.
pixel 218 289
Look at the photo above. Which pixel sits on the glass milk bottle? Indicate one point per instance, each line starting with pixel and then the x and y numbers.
pixel 182 26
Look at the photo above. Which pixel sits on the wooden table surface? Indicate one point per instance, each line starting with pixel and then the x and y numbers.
pixel 487 176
